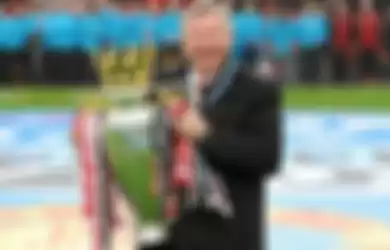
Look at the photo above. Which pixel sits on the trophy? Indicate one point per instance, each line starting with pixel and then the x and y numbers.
pixel 132 151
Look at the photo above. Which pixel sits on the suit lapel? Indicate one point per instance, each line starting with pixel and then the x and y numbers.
pixel 231 107
pixel 222 81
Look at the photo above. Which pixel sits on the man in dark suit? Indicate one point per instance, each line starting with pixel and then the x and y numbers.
pixel 235 128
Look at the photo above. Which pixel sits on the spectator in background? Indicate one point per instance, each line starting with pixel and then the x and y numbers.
pixel 386 43
pixel 4 60
pixel 63 59
pixel 313 34
pixel 281 37
pixel 91 40
pixel 343 34
pixel 131 6
pixel 381 5
pixel 168 27
pixel 16 7
pixel 15 29
pixel 158 6
pixel 268 7
pixel 369 28
pixel 247 42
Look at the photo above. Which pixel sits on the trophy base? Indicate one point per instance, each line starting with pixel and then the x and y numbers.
pixel 153 238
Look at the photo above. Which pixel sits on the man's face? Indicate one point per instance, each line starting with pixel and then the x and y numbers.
pixel 206 40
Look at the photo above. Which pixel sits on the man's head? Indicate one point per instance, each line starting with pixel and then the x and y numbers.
pixel 207 35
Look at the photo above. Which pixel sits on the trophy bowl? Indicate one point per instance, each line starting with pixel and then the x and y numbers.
pixel 138 145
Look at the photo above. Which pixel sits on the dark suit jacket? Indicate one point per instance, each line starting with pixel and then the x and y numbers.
pixel 243 147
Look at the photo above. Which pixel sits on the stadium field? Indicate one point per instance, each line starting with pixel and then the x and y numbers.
pixel 366 97
pixel 369 98
pixel 362 98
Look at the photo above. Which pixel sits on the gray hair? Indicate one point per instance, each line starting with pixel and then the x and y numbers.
pixel 206 7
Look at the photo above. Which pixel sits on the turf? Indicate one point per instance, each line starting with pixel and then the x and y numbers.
pixel 369 97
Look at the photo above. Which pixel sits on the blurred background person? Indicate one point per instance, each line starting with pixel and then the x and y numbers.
pixel 16 26
pixel 59 31
pixel 91 38
pixel 385 56
pixel 343 36
pixel 249 41
pixel 369 34
pixel 280 35
pixel 292 32
pixel 313 37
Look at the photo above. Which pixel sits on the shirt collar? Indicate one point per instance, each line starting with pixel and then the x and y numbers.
pixel 221 81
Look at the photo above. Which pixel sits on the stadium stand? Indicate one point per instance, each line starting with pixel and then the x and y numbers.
pixel 313 42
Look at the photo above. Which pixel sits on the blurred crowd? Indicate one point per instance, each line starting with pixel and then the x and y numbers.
pixel 312 41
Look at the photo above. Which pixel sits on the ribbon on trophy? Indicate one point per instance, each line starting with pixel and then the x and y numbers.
pixel 191 171
pixel 96 177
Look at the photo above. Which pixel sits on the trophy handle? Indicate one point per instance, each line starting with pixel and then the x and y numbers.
pixel 104 186
pixel 96 181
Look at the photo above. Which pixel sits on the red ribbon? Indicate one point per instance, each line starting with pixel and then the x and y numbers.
pixel 183 169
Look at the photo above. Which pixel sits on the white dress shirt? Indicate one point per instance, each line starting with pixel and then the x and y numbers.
pixel 195 84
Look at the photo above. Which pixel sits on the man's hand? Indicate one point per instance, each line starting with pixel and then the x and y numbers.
pixel 192 125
